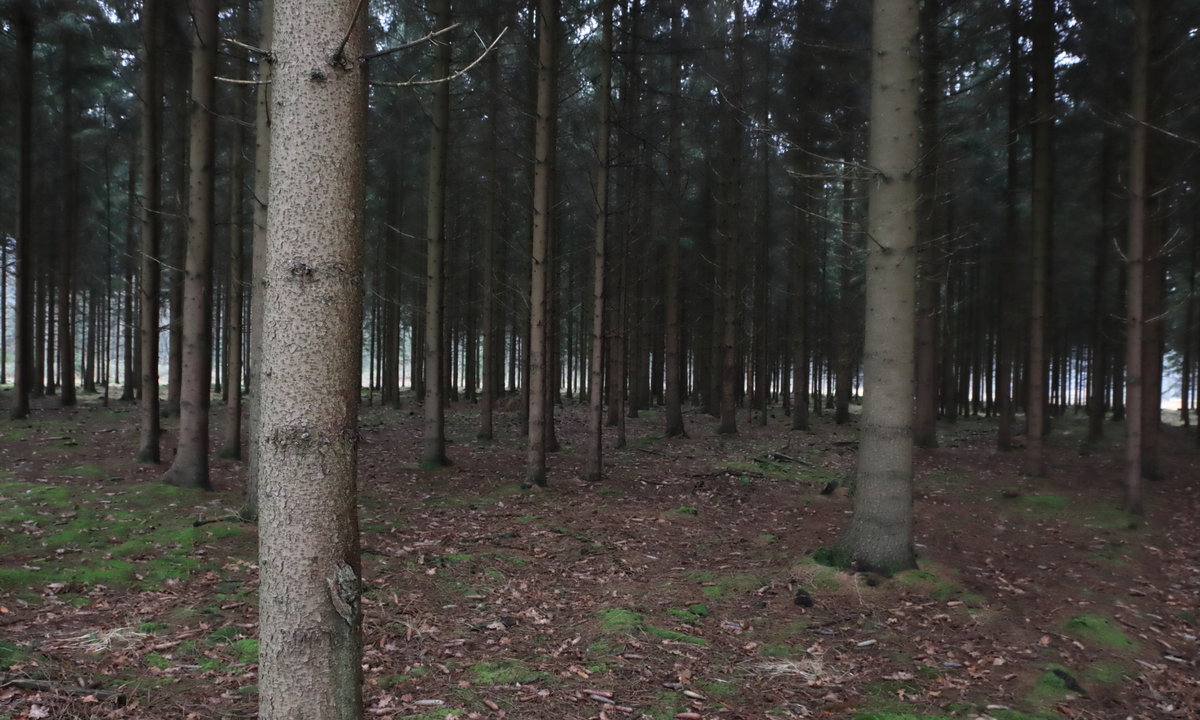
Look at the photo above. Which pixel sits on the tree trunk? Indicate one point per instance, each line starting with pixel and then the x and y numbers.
pixel 673 339
pixel 310 612
pixel 730 224
pixel 1006 345
pixel 235 290
pixel 547 25
pixel 24 370
pixel 149 213
pixel 66 243
pixel 190 468
pixel 1135 252
pixel 434 454
pixel 258 258
pixel 880 534
pixel 493 349
pixel 1098 346
pixel 928 291
pixel 1042 207
pixel 593 471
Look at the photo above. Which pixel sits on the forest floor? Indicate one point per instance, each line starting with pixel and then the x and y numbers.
pixel 686 585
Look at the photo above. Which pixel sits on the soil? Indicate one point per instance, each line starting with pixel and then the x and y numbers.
pixel 688 584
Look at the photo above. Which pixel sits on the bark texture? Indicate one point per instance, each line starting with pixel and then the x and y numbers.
pixel 190 467
pixel 149 277
pixel 310 613
pixel 880 533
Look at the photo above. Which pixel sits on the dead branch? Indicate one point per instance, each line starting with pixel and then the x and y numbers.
pixel 453 76
pixel 407 45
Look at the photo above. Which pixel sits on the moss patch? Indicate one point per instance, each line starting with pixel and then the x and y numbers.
pixel 505 672
pixel 619 621
pixel 1099 630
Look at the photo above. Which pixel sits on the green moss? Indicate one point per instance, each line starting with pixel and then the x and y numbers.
pixel 1107 673
pixel 833 557
pixel 619 621
pixel 150 628
pixel 1050 688
pixel 691 614
pixel 1056 502
pixel 505 672
pixel 768 539
pixel 11 654
pixel 155 660
pixel 245 650
pixel 685 510
pixel 666 634
pixel 1099 630
pixel 227 634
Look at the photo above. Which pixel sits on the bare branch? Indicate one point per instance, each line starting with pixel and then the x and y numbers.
pixel 236 81
pixel 453 76
pixel 256 50
pixel 407 45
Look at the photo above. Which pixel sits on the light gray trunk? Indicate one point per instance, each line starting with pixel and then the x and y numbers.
pixel 310 612
pixel 880 534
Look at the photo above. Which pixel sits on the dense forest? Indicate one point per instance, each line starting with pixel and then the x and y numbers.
pixel 743 212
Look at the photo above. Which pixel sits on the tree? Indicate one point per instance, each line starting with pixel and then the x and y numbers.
pixel 1136 263
pixel 673 341
pixel 435 237
pixel 593 471
pixel 543 171
pixel 880 533
pixel 149 212
pixel 190 467
pixel 1043 228
pixel 24 24
pixel 310 614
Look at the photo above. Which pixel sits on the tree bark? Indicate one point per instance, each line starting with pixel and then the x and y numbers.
pixel 880 534
pixel 434 454
pixel 149 276
pixel 1136 263
pixel 673 339
pixel 593 470
pixel 1042 208
pixel 547 25
pixel 310 612
pixel 23 374
pixel 258 257
pixel 190 467
pixel 730 224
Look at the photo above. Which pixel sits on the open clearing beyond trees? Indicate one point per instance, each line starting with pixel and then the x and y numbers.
pixel 687 585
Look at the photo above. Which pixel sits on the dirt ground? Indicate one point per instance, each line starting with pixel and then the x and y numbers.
pixel 687 585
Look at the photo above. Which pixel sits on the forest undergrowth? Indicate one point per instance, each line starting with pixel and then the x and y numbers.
pixel 688 584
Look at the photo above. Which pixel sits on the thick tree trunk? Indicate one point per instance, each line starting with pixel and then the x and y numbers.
pixel 434 454
pixel 190 468
pixel 593 471
pixel 310 612
pixel 928 265
pixel 880 534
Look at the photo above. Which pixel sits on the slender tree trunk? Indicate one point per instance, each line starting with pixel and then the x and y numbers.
pixel 1136 263
pixel 149 213
pixel 235 291
pixel 24 370
pixel 799 250
pixel 673 340
pixel 1098 346
pixel 434 454
pixel 493 349
pixel 730 223
pixel 844 343
pixel 880 534
pixel 1042 207
pixel 547 24
pixel 66 243
pixel 928 291
pixel 593 471
pixel 190 468
pixel 1006 345
pixel 258 258
pixel 311 616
